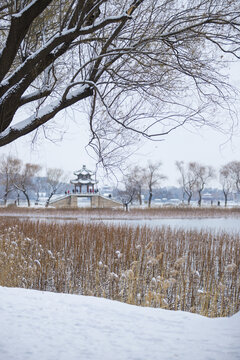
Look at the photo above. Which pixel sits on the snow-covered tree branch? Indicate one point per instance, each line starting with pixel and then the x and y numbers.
pixel 138 65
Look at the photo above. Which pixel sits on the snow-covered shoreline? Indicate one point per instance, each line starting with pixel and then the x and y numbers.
pixel 48 326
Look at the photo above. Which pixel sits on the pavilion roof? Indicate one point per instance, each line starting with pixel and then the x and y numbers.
pixel 83 182
pixel 83 171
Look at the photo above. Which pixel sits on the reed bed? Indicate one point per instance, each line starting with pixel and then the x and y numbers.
pixel 135 213
pixel 158 267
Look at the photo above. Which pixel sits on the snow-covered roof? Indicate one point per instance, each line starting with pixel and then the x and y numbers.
pixel 83 182
pixel 84 177
pixel 83 171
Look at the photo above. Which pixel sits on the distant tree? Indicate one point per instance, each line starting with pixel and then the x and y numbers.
pixel 40 186
pixel 24 182
pixel 202 175
pixel 152 177
pixel 157 60
pixel 187 179
pixel 54 179
pixel 234 170
pixel 226 180
pixel 9 170
pixel 127 196
pixel 135 179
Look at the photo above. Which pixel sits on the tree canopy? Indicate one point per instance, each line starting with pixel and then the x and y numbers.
pixel 147 66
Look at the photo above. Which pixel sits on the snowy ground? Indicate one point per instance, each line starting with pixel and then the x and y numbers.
pixel 47 326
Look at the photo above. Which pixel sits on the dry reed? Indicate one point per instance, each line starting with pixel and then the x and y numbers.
pixel 138 213
pixel 162 267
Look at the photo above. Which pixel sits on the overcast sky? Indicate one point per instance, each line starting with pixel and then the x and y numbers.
pixel 204 145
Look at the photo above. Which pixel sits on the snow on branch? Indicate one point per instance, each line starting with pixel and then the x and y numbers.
pixel 36 95
pixel 143 59
pixel 20 24
pixel 43 115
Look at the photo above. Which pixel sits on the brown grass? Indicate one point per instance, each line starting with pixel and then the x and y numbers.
pixel 172 269
pixel 138 213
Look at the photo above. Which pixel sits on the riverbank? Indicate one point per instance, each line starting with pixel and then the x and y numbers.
pixel 134 213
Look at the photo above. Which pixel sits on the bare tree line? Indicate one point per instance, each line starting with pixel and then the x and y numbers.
pixel 17 177
pixel 194 177
pixel 137 179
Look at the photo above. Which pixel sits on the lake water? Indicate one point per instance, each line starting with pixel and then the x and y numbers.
pixel 229 224
pixel 217 224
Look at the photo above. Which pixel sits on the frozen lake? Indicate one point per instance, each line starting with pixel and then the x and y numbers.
pixel 217 224
pixel 229 224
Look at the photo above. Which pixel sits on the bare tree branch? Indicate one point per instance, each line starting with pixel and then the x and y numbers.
pixel 150 66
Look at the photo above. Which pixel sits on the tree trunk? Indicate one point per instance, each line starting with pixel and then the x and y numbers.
pixel 126 206
pixel 150 198
pixel 189 199
pixel 27 197
pixel 37 199
pixel 225 199
pixel 183 196
pixel 49 198
pixel 5 198
pixel 199 198
pixel 140 199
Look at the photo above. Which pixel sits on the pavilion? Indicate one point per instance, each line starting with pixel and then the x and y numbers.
pixel 84 184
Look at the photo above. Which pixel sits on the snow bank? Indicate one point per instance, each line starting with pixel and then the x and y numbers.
pixel 40 325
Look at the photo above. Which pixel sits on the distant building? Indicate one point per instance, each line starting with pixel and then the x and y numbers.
pixel 207 196
pixel 85 194
pixel 84 183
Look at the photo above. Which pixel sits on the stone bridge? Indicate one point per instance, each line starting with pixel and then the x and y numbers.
pixel 96 201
